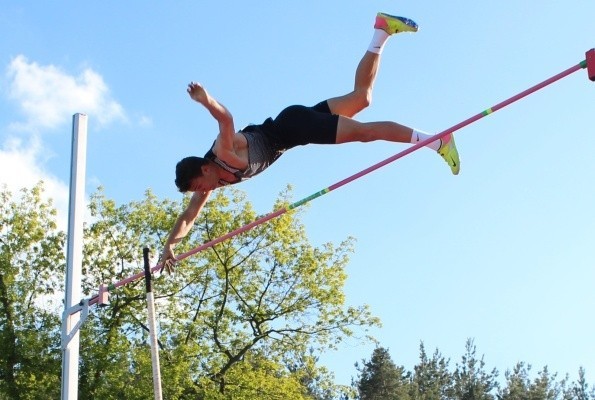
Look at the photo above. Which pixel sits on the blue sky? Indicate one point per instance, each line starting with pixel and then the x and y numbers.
pixel 501 253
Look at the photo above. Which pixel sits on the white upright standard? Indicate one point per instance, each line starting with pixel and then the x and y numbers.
pixel 74 259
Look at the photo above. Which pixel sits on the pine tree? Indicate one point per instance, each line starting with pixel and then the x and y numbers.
pixel 431 379
pixel 380 379
pixel 580 390
pixel 471 381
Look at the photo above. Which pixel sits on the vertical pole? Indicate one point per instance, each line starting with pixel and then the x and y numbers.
pixel 74 256
pixel 152 327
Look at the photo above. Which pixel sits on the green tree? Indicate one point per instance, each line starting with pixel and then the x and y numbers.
pixel 520 387
pixel 31 265
pixel 113 339
pixel 545 386
pixel 245 310
pixel 470 380
pixel 243 320
pixel 517 383
pixel 431 378
pixel 317 380
pixel 380 379
pixel 580 389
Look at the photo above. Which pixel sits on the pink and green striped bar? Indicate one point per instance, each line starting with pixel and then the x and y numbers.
pixel 588 63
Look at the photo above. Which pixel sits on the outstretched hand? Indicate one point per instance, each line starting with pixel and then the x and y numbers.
pixel 197 92
pixel 168 259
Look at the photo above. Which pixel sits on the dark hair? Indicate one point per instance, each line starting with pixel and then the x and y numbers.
pixel 187 169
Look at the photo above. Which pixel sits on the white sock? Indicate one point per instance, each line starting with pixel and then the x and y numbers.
pixel 378 41
pixel 418 136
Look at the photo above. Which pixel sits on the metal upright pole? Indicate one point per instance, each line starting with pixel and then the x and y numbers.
pixel 152 327
pixel 74 258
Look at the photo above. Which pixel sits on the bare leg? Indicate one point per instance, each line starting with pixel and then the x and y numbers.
pixel 346 106
pixel 350 104
pixel 350 130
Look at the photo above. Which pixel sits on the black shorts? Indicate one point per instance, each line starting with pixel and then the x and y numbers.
pixel 300 125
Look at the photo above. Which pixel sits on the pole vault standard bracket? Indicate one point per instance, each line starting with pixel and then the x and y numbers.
pixel 103 295
pixel 69 332
pixel 590 59
pixel 83 308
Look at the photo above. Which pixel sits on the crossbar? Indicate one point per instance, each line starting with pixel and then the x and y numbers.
pixel 583 64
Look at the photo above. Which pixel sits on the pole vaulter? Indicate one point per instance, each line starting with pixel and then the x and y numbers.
pixel 588 63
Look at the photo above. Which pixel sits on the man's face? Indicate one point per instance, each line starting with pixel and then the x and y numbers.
pixel 208 181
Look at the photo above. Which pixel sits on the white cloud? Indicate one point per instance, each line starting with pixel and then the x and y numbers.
pixel 20 166
pixel 48 97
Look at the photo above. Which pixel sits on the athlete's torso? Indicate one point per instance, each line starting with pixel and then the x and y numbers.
pixel 253 148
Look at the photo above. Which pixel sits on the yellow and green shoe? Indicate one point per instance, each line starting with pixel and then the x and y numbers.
pixel 393 25
pixel 448 151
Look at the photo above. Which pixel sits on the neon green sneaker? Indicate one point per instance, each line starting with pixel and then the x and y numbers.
pixel 393 25
pixel 448 151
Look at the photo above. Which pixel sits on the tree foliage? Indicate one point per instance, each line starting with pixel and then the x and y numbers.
pixel 246 319
pixel 380 379
pixel 431 379
pixel 543 387
pixel 251 306
pixel 470 379
pixel 31 265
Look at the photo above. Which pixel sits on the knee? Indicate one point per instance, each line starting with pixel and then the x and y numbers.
pixel 352 103
pixel 363 99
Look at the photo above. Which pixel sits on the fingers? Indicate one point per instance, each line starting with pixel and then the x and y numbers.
pixel 169 266
pixel 194 85
pixel 168 259
pixel 196 91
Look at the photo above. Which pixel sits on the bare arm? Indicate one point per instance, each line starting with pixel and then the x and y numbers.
pixel 226 128
pixel 182 227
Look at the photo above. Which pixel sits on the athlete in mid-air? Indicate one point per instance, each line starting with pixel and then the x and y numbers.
pixel 236 156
